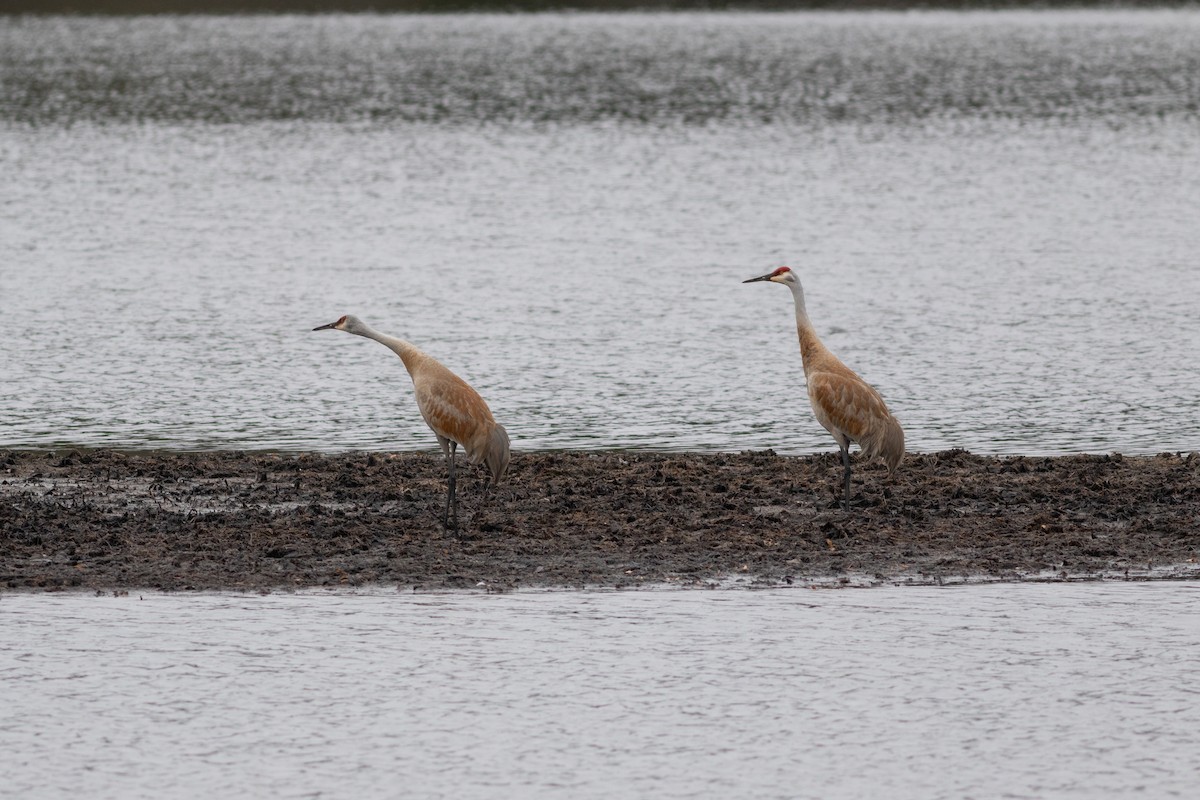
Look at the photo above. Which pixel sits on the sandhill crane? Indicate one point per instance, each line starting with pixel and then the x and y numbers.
pixel 846 405
pixel 454 411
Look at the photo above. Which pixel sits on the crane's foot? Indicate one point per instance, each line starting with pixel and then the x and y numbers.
pixel 839 501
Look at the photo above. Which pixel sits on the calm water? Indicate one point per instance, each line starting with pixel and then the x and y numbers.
pixel 995 216
pixel 1040 691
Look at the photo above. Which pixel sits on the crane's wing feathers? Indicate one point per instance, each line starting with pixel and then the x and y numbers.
pixel 454 410
pixel 846 402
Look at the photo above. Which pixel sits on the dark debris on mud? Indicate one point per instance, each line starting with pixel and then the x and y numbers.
pixel 107 520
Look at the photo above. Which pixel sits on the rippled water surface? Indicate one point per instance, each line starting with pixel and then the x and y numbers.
pixel 986 691
pixel 994 216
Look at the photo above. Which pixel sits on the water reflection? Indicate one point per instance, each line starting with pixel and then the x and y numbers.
pixel 1013 280
pixel 977 691
pixel 694 69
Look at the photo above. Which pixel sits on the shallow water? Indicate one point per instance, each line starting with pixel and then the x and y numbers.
pixel 1077 690
pixel 994 216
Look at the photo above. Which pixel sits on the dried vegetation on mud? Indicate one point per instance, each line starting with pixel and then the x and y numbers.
pixel 106 520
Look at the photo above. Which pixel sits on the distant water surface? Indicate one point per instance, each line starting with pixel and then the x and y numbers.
pixel 994 214
pixel 1049 691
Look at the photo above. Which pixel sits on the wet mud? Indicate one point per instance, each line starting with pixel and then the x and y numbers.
pixel 114 521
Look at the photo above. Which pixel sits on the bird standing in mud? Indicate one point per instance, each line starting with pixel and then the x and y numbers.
pixel 846 405
pixel 454 411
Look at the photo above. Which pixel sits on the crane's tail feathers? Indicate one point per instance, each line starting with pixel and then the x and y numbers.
pixel 887 442
pixel 497 455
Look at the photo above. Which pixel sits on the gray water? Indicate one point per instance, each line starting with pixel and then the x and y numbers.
pixel 994 214
pixel 1047 691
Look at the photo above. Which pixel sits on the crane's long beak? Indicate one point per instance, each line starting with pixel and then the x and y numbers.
pixel 766 277
pixel 323 327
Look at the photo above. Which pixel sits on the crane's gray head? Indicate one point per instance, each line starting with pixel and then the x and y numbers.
pixel 782 275
pixel 348 323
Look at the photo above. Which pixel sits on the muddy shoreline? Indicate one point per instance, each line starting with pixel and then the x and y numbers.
pixel 110 521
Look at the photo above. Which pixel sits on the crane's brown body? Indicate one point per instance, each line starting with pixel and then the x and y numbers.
pixel 845 405
pixel 454 411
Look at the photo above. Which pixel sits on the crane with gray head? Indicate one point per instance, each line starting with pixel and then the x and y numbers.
pixel 845 405
pixel 454 411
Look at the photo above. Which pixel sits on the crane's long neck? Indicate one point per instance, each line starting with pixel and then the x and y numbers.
pixel 407 351
pixel 810 344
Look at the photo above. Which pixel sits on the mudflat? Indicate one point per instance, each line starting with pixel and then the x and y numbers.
pixel 112 521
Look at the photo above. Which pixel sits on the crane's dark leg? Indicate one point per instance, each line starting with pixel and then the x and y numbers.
pixel 846 464
pixel 450 519
pixel 843 443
